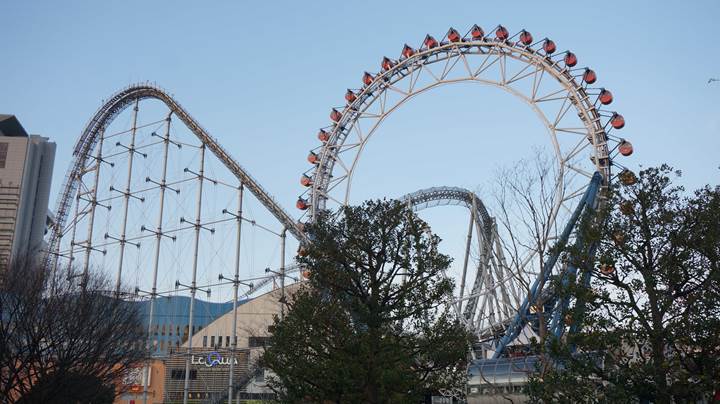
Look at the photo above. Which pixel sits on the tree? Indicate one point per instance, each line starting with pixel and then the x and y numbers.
pixel 527 197
pixel 63 341
pixel 652 325
pixel 373 324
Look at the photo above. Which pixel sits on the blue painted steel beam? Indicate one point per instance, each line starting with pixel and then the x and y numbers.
pixel 520 319
pixel 557 327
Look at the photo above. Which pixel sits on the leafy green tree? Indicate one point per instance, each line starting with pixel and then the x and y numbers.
pixel 651 329
pixel 373 323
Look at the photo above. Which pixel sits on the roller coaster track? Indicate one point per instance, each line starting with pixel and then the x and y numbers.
pixel 105 115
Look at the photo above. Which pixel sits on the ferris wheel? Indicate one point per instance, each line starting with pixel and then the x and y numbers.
pixel 580 127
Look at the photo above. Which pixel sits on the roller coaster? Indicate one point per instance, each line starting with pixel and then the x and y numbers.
pixel 136 195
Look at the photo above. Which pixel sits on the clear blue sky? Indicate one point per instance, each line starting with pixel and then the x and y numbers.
pixel 262 77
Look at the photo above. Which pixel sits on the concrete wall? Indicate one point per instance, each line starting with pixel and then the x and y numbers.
pixel 253 319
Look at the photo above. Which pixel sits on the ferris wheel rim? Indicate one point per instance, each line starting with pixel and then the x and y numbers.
pixel 577 93
pixel 539 113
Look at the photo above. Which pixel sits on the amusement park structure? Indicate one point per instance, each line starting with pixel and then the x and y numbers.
pixel 581 132
pixel 128 187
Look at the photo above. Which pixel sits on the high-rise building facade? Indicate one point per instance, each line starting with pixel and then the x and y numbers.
pixel 26 167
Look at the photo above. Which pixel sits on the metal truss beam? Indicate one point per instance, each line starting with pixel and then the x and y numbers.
pixel 105 115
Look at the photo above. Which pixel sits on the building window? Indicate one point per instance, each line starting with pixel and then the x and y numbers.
pixel 162 330
pixel 3 154
pixel 227 340
pixel 204 341
pixel 256 342
pixel 219 340
pixel 212 341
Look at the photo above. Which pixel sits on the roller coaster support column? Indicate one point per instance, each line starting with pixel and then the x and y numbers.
pixel 283 237
pixel 193 285
pixel 467 258
pixel 126 200
pixel 93 204
pixel 236 284
pixel 158 242
pixel 520 319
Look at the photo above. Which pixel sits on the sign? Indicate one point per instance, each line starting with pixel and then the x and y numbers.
pixel 211 360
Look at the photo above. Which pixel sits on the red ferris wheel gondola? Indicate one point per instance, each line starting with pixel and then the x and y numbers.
pixel 570 59
pixel 477 32
pixel 549 46
pixel 525 37
pixel 605 96
pixel 453 35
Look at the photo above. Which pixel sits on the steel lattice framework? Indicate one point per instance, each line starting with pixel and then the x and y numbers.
pixel 155 168
pixel 499 299
pixel 496 293
pixel 573 112
pixel 119 102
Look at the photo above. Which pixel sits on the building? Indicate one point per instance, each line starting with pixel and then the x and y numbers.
pixel 26 167
pixel 171 318
pixel 212 350
pixel 132 388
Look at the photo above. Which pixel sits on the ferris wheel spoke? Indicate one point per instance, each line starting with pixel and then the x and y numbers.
pixel 522 74
pixel 446 66
pixel 348 146
pixel 383 103
pixel 552 96
pixel 576 193
pixel 466 64
pixel 576 131
pixel 580 146
pixel 397 90
pixel 359 132
pixel 486 63
pixel 564 108
pixel 426 69
pixel 503 68
pixel 328 196
pixel 537 79
pixel 343 166
pixel 579 170
pixel 414 75
pixel 369 115
pixel 451 63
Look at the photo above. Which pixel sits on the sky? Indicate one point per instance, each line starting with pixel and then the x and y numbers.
pixel 263 76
